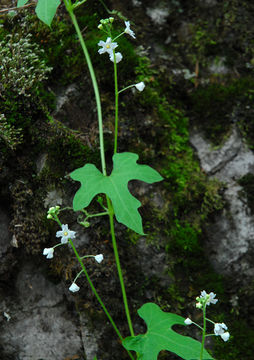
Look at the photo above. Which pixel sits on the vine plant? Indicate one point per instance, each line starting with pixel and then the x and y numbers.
pixel 119 203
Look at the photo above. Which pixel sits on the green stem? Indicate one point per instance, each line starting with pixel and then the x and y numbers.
pixel 116 103
pixel 78 3
pixel 118 265
pixel 78 276
pixel 97 296
pixel 96 215
pixel 94 291
pixel 204 331
pixel 69 8
pixel 92 286
pixel 118 36
pixel 127 87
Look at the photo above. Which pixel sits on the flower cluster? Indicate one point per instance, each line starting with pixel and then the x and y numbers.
pixel 205 299
pixel 66 234
pixel 53 212
pixel 109 45
pixel 220 329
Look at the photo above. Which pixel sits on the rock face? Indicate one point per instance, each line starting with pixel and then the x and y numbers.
pixel 36 322
pixel 230 237
pixel 4 233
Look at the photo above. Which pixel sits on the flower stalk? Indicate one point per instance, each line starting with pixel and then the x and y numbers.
pixel 69 8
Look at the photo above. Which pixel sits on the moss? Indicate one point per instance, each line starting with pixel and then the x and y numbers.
pixel 213 106
pixel 66 152
pixel 247 182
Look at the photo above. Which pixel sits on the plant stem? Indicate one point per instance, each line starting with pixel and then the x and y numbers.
pixel 118 265
pixel 94 290
pixel 127 87
pixel 97 295
pixel 94 82
pixel 116 103
pixel 204 331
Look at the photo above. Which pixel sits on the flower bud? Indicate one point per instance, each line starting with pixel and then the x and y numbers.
pixel 111 19
pixel 100 27
pixel 188 321
pixel 85 223
pixel 74 287
pixel 199 305
pixel 99 258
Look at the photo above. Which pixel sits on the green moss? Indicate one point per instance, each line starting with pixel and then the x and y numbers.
pixel 67 153
pixel 213 105
pixel 247 182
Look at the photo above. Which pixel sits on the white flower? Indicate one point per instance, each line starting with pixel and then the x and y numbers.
pixel 210 297
pixel 225 336
pixel 128 30
pixel 99 258
pixel 219 329
pixel 65 234
pixel 188 321
pixel 140 86
pixel 107 46
pixel 74 287
pixel 118 56
pixel 48 252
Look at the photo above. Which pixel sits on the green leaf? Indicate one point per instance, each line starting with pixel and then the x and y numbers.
pixel 161 336
pixel 46 10
pixel 125 168
pixel 21 3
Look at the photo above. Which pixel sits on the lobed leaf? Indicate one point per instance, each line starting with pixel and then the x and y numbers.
pixel 125 168
pixel 160 336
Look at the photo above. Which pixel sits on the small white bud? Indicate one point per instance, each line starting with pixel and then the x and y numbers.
pixel 118 56
pixel 140 86
pixel 225 336
pixel 99 258
pixel 74 287
pixel 48 252
pixel 188 321
pixel 199 305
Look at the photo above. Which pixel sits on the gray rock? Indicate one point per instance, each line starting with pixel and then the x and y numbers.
pixel 41 162
pixel 230 237
pixel 36 322
pixel 89 336
pixel 158 15
pixel 156 265
pixel 54 197
pixel 5 236
pixel 214 160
